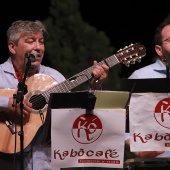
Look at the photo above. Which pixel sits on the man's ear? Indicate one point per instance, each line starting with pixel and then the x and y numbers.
pixel 11 47
pixel 158 50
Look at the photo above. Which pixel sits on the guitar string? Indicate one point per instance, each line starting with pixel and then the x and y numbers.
pixel 63 87
pixel 59 88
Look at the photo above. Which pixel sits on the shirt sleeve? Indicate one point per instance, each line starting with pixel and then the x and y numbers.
pixel 4 101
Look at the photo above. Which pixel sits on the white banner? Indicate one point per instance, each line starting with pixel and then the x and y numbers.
pixel 87 140
pixel 149 115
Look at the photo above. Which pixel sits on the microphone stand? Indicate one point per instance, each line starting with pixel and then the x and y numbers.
pixel 22 90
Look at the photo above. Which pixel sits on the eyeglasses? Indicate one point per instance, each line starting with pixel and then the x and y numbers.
pixel 166 40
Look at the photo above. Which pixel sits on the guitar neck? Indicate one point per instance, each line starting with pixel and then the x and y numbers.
pixel 79 78
pixel 83 76
pixel 129 54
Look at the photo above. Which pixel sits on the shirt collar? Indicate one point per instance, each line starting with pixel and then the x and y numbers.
pixel 8 67
pixel 159 66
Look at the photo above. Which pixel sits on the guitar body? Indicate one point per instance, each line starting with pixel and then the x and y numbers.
pixel 36 84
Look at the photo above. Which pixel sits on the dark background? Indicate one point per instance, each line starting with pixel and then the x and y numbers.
pixel 123 21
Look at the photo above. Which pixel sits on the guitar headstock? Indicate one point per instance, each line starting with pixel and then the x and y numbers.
pixel 130 54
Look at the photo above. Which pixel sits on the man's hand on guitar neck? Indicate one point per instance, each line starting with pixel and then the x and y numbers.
pixel 27 108
pixel 100 73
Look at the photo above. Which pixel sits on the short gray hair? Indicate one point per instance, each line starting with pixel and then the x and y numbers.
pixel 21 28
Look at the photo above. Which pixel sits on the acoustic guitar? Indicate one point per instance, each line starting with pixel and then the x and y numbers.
pixel 40 86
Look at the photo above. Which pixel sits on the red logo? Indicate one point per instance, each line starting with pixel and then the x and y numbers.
pixel 162 113
pixel 87 128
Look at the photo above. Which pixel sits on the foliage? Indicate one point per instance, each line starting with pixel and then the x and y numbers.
pixel 73 44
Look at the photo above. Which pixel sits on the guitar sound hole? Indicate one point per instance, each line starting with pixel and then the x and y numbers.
pixel 38 102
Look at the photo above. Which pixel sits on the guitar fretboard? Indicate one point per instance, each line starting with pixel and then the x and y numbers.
pixel 78 79
pixel 129 54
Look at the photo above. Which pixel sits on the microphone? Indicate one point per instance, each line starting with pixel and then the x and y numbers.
pixel 32 57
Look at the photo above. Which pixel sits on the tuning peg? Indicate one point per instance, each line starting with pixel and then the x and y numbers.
pixel 132 61
pixel 138 60
pixel 119 50
pixel 127 63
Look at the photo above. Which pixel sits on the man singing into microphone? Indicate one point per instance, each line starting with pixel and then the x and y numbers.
pixel 27 37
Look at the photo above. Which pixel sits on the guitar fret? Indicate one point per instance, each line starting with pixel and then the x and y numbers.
pixel 50 90
pixel 68 86
pixel 86 74
pixel 64 87
pixel 46 95
pixel 61 87
pixel 80 80
pixel 112 60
